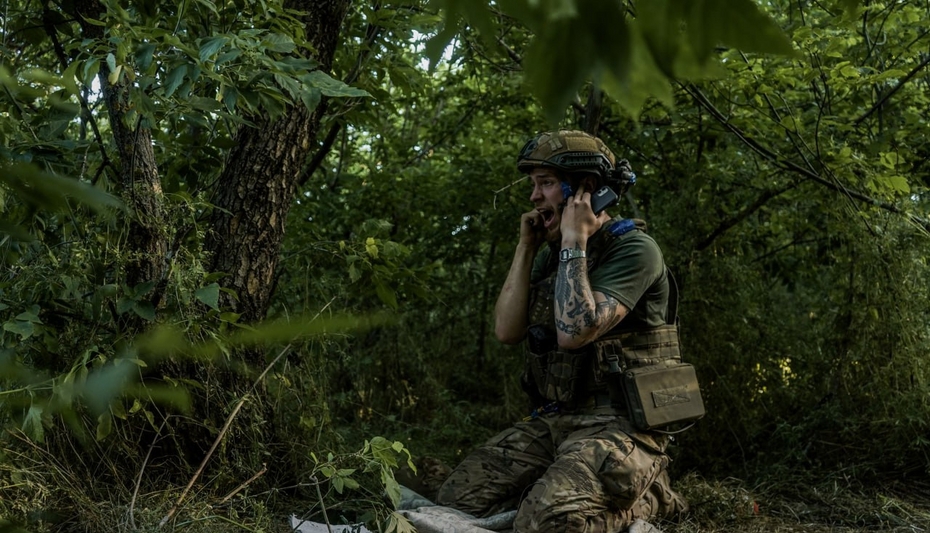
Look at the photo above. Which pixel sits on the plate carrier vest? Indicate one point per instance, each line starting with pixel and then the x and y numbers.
pixel 571 378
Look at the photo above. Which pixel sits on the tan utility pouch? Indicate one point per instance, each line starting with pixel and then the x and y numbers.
pixel 660 395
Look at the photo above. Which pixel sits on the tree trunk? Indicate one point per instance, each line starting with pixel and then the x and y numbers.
pixel 140 184
pixel 260 180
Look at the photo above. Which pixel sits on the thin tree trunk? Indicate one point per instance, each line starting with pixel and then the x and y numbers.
pixel 140 184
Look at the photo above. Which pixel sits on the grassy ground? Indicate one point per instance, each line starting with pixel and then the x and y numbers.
pixel 834 505
pixel 729 506
pixel 44 496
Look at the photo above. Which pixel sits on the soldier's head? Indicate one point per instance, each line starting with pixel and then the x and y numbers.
pixel 576 156
pixel 561 162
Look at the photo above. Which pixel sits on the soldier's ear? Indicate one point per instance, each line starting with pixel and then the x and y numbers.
pixel 589 183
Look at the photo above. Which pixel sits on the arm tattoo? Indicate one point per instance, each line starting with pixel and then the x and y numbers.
pixel 607 312
pixel 575 301
pixel 565 327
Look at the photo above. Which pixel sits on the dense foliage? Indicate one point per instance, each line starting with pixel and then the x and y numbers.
pixel 152 155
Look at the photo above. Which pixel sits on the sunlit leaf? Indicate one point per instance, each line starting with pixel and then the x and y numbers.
pixel 330 86
pixel 277 42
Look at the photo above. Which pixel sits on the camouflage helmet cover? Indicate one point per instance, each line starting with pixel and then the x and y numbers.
pixel 567 150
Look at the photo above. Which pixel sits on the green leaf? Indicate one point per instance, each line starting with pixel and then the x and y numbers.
pixel 644 79
pixel 737 23
pixel 174 79
pixel 386 294
pixel 104 426
pixel 51 191
pixel 29 316
pixel 123 305
pixel 330 86
pixel 91 68
pixel 205 104
pixel 230 317
pixel 209 295
pixel 69 78
pixel 849 71
pixel 144 54
pixel 899 184
pixel 437 44
pixel 398 523
pixel 391 487
pixel 211 46
pixel 23 329
pixel 144 310
pixel 228 56
pixel 311 98
pixel 32 424
pixel 553 75
pixel 277 42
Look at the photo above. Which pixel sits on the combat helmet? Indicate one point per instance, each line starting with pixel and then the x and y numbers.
pixel 572 152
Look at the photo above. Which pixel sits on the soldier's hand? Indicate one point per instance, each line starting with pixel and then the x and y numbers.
pixel 532 228
pixel 578 219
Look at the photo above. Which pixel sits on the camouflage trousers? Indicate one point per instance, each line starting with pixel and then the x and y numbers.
pixel 567 473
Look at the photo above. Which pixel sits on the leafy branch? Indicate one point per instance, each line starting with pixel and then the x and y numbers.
pixel 786 164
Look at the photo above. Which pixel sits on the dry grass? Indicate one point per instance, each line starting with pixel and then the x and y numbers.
pixel 791 506
pixel 33 493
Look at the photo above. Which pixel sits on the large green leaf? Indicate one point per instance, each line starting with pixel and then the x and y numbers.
pixel 51 191
pixel 209 295
pixel 330 86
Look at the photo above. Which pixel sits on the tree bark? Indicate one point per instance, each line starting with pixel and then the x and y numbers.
pixel 140 184
pixel 258 184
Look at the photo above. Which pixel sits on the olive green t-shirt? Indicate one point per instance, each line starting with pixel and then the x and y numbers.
pixel 630 268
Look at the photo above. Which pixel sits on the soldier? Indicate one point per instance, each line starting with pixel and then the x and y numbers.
pixel 588 305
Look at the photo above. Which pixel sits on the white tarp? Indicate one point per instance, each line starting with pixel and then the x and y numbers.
pixel 428 517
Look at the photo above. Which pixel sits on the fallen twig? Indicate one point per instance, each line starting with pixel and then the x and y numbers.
pixel 135 491
pixel 246 484
pixel 218 439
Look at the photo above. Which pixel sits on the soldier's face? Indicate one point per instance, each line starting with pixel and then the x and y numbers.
pixel 548 198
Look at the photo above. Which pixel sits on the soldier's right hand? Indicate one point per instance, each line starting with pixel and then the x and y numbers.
pixel 532 228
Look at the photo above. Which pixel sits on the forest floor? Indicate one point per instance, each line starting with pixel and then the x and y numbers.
pixel 730 506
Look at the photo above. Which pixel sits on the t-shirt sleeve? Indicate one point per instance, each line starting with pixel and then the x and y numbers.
pixel 629 267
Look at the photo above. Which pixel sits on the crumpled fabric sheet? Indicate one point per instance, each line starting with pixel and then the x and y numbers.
pixel 427 517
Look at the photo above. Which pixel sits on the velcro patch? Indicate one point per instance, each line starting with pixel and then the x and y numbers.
pixel 673 396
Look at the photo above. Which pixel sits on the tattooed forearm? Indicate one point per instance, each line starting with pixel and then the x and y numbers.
pixel 607 315
pixel 573 297
pixel 578 314
pixel 565 327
